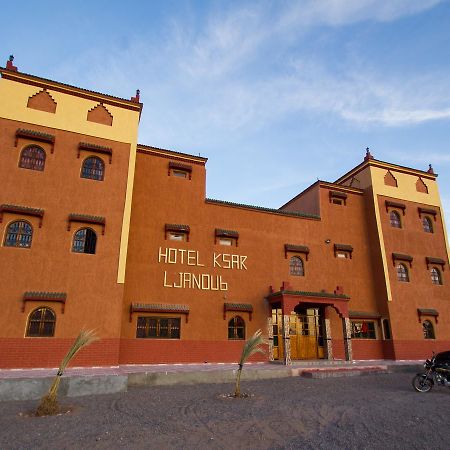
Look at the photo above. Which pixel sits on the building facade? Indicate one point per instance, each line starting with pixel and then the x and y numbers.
pixel 103 233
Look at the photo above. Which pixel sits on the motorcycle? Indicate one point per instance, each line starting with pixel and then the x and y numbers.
pixel 437 371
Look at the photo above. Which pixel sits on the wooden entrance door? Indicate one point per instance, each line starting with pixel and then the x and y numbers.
pixel 306 335
pixel 305 332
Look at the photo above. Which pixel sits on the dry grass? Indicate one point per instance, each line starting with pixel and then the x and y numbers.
pixel 49 403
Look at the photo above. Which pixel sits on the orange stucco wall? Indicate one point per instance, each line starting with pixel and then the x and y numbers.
pixel 135 261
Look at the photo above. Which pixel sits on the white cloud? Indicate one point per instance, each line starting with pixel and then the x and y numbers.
pixel 341 12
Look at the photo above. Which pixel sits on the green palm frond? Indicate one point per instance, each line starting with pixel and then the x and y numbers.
pixel 252 346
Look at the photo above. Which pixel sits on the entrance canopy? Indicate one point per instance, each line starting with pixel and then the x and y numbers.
pixel 290 299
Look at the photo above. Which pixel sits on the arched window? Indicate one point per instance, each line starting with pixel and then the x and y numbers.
pixel 41 323
pixel 436 276
pixel 296 266
pixel 236 328
pixel 427 225
pixel 402 273
pixel 32 157
pixel 84 241
pixel 394 217
pixel 18 234
pixel 93 168
pixel 428 330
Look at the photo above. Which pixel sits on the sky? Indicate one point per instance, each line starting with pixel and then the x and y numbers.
pixel 277 94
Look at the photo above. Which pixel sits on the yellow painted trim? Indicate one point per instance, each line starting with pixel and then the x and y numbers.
pixel 384 165
pixel 41 83
pixel 71 113
pixel 127 214
pixel 447 244
pixel 382 247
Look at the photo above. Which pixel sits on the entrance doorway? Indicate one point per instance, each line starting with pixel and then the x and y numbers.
pixel 305 333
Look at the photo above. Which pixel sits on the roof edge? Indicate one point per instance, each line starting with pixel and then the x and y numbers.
pixel 27 78
pixel 387 165
pixel 166 153
pixel 263 209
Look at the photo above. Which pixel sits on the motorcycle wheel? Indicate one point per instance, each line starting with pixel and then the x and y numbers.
pixel 421 383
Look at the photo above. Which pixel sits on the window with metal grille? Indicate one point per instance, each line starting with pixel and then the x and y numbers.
pixel 436 276
pixel 296 266
pixel 428 330
pixel 18 234
pixel 32 157
pixel 363 330
pixel 84 241
pixel 427 225
pixel 93 168
pixel 394 217
pixel 158 327
pixel 41 323
pixel 236 328
pixel 402 273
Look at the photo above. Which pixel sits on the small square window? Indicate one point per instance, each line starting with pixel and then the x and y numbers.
pixel 176 236
pixel 226 241
pixel 343 255
pixel 337 201
pixel 180 174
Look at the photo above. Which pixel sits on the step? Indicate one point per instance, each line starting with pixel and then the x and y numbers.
pixel 330 372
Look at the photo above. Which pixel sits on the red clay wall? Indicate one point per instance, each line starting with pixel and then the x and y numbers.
pixel 49 352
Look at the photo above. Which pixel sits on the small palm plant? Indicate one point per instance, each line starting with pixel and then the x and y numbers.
pixel 49 403
pixel 251 346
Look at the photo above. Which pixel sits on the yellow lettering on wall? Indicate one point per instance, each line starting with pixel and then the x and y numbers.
pixel 242 261
pixel 216 256
pixel 226 261
pixel 187 279
pixel 223 285
pixel 205 284
pixel 191 258
pixel 165 280
pixel 216 287
pixel 180 279
pixel 198 261
pixel 172 258
pixel 162 255
pixel 196 281
pixel 182 252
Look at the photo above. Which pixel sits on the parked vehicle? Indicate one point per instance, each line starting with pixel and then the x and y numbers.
pixel 437 371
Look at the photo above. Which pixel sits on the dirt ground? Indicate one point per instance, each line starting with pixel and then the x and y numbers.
pixel 369 412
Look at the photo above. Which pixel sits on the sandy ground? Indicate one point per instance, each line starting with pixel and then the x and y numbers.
pixel 369 412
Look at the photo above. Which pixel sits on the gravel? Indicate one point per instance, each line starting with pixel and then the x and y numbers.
pixel 370 412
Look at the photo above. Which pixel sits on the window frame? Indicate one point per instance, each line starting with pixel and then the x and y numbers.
pixel 236 325
pixel 402 276
pixel 293 268
pixel 35 166
pixel 428 228
pixel 92 241
pixel 358 334
pixel 436 276
pixel 173 323
pixel 94 169
pixel 397 222
pixel 432 336
pixel 41 323
pixel 18 234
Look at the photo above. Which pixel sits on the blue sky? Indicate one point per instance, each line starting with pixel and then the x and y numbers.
pixel 275 93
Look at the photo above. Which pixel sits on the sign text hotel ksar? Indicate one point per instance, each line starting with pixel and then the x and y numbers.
pixel 203 281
